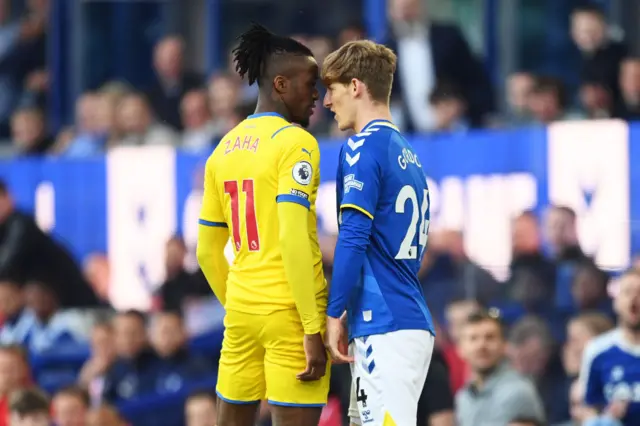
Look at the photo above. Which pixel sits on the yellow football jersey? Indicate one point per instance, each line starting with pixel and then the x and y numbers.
pixel 264 160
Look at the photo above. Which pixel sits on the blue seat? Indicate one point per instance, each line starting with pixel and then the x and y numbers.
pixel 166 409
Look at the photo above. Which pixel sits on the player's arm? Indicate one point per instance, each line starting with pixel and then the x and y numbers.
pixel 213 235
pixel 361 185
pixel 297 176
pixel 594 397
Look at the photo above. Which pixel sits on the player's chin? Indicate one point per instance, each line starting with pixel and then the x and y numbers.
pixel 303 122
pixel 344 126
pixel 634 323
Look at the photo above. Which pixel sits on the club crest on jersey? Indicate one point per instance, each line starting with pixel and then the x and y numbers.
pixel 350 181
pixel 302 172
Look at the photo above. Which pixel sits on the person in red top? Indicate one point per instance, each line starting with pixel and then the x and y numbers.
pixel 14 374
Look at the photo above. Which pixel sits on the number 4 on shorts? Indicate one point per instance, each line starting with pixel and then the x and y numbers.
pixel 361 396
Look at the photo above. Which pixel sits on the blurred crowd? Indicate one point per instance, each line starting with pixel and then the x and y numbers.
pixel 183 108
pixel 530 330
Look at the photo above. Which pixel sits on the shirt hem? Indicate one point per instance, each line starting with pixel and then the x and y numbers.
pixel 389 329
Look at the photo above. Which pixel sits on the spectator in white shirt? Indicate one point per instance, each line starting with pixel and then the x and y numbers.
pixel 137 125
pixel 102 356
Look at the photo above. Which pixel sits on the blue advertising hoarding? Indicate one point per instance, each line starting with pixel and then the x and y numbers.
pixel 128 203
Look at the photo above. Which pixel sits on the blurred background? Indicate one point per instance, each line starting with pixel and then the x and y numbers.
pixel 521 111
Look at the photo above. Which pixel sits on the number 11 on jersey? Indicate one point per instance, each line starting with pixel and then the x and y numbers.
pixel 419 224
pixel 231 187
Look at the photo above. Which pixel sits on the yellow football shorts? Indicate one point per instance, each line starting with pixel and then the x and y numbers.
pixel 261 356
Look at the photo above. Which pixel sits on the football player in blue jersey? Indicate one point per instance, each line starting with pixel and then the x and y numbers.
pixel 383 208
pixel 610 370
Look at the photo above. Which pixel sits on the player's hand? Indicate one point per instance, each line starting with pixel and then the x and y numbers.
pixel 336 341
pixel 316 358
pixel 617 409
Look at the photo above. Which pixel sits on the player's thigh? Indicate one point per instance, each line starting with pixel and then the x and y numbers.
pixel 295 416
pixel 284 359
pixel 388 376
pixel 241 378
pixel 234 414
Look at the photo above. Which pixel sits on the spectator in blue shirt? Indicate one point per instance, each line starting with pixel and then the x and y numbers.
pixel 18 322
pixel 176 366
pixel 91 136
pixel 51 328
pixel 135 362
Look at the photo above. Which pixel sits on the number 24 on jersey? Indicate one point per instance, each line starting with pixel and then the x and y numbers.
pixel 419 224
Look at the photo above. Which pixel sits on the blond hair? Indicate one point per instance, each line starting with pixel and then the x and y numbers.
pixel 364 60
pixel 595 322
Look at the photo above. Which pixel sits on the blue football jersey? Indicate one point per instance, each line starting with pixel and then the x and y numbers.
pixel 610 372
pixel 380 175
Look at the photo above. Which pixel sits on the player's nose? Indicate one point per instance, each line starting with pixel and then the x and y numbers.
pixel 326 102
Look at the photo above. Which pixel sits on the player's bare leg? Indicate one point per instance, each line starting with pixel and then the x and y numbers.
pixel 295 416
pixel 237 414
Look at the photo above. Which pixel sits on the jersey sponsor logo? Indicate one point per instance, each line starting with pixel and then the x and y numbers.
pixel 622 391
pixel 302 172
pixel 350 181
pixel 299 193
pixel 407 157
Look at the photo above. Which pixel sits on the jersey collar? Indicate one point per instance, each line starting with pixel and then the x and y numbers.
pixel 380 123
pixel 265 114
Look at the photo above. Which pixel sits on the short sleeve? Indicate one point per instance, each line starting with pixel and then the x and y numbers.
pixel 360 178
pixel 212 211
pixel 299 166
pixel 589 375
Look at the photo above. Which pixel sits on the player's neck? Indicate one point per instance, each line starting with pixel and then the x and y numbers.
pixel 276 107
pixel 371 112
pixel 631 336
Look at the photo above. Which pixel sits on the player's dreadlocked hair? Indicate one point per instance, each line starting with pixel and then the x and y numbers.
pixel 255 48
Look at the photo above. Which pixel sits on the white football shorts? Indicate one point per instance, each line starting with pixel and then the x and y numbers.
pixel 388 374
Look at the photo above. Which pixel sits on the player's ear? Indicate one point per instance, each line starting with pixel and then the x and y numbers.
pixel 357 87
pixel 353 86
pixel 280 84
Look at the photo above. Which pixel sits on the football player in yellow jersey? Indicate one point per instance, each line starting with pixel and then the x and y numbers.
pixel 260 189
